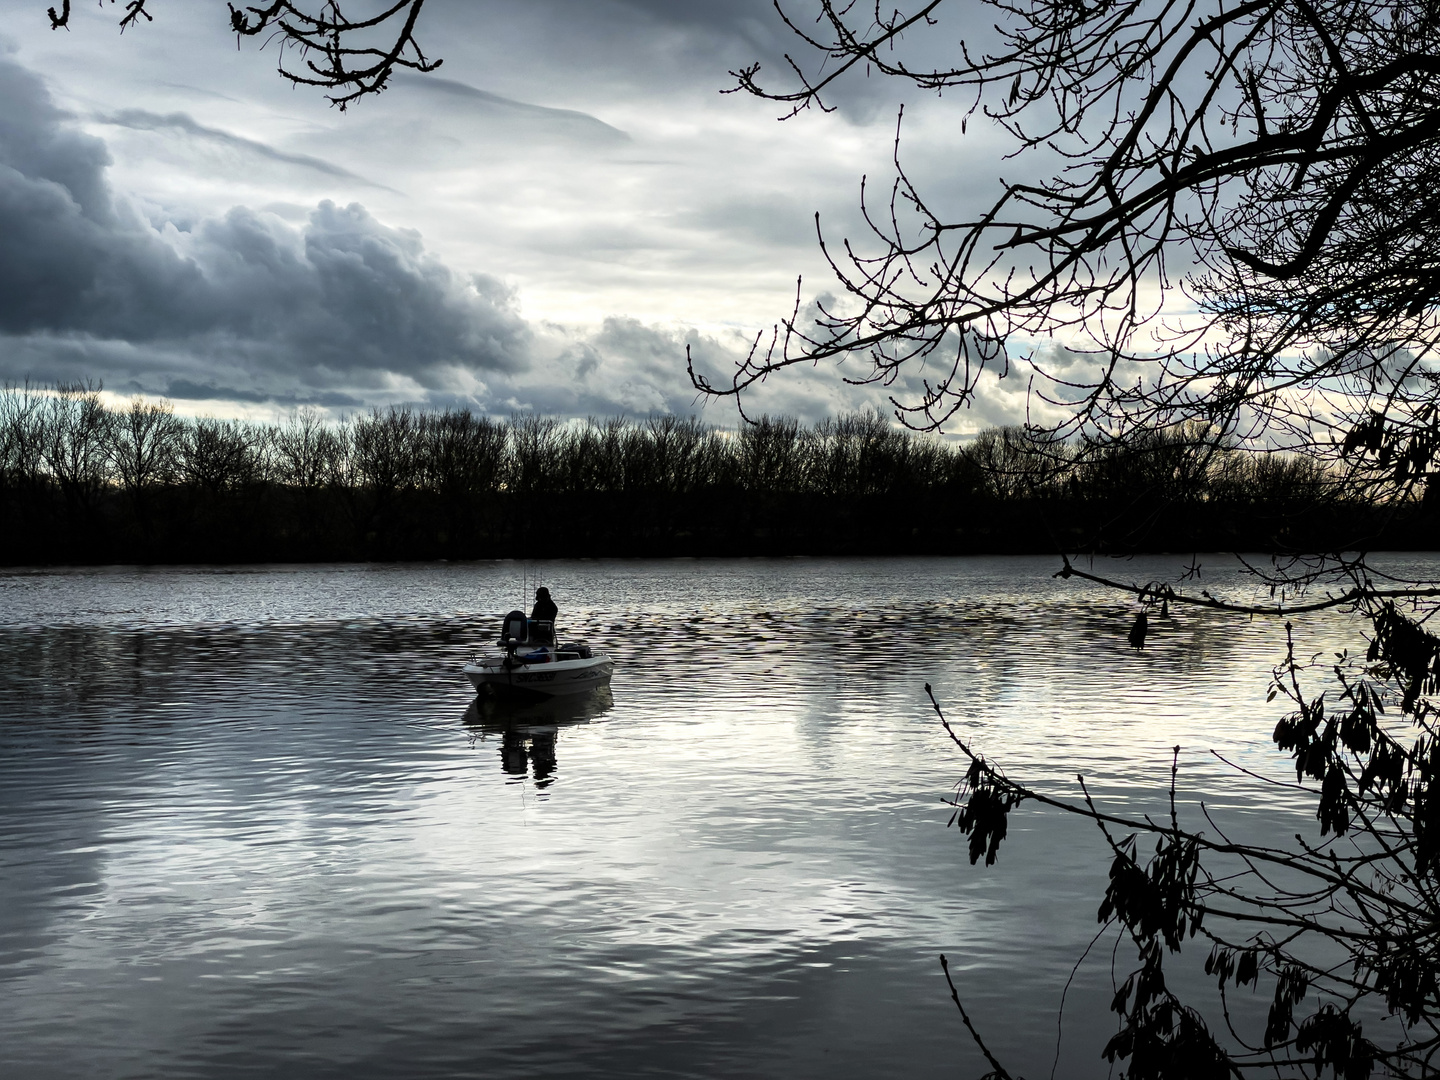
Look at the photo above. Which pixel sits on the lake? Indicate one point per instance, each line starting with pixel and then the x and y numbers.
pixel 253 821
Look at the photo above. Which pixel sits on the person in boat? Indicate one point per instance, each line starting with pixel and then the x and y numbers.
pixel 544 607
pixel 544 611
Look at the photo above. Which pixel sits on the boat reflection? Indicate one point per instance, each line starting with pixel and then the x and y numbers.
pixel 528 730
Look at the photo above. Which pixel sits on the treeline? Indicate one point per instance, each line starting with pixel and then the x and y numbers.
pixel 83 483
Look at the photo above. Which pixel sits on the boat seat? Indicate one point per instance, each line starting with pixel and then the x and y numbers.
pixel 515 627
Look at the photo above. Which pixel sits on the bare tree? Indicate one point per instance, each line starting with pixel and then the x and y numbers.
pixel 319 44
pixel 1334 928
pixel 76 447
pixel 307 451
pixel 1277 152
pixel 535 445
pixel 770 455
pixel 22 437
pixel 1234 238
pixel 463 454
pixel 145 444
pixel 387 451
pixel 1013 465
pixel 220 456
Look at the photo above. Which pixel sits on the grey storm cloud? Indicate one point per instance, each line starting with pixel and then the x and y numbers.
pixel 141 120
pixel 344 311
pixel 623 368
pixel 751 31
pixel 533 120
pixel 629 368
pixel 342 296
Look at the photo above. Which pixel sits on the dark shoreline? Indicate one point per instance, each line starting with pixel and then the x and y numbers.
pixel 84 484
pixel 281 526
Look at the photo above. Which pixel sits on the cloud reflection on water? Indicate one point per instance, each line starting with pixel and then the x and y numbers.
pixel 249 820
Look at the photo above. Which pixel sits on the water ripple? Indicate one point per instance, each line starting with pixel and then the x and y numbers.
pixel 252 821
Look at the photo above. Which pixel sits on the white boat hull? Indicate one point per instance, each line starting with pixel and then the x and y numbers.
pixel 491 674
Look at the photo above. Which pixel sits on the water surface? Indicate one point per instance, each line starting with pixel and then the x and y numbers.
pixel 253 822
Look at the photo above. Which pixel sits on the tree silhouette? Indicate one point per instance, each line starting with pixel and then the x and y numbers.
pixel 1234 239
pixel 1279 153
pixel 319 44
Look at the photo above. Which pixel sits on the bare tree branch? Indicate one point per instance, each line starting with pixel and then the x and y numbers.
pixel 353 57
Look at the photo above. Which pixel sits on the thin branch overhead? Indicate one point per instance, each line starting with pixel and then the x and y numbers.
pixel 1241 214
pixel 319 45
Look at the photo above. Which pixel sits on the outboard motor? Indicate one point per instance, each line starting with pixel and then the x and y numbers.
pixel 515 630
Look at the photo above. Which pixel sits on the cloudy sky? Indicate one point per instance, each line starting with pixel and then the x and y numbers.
pixel 543 224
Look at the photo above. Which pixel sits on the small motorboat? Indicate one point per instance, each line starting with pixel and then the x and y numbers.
pixel 527 662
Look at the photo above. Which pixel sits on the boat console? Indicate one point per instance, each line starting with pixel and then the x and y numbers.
pixel 514 630
pixel 536 637
pixel 517 630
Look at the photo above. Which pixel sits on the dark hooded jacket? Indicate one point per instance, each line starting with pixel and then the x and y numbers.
pixel 544 607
